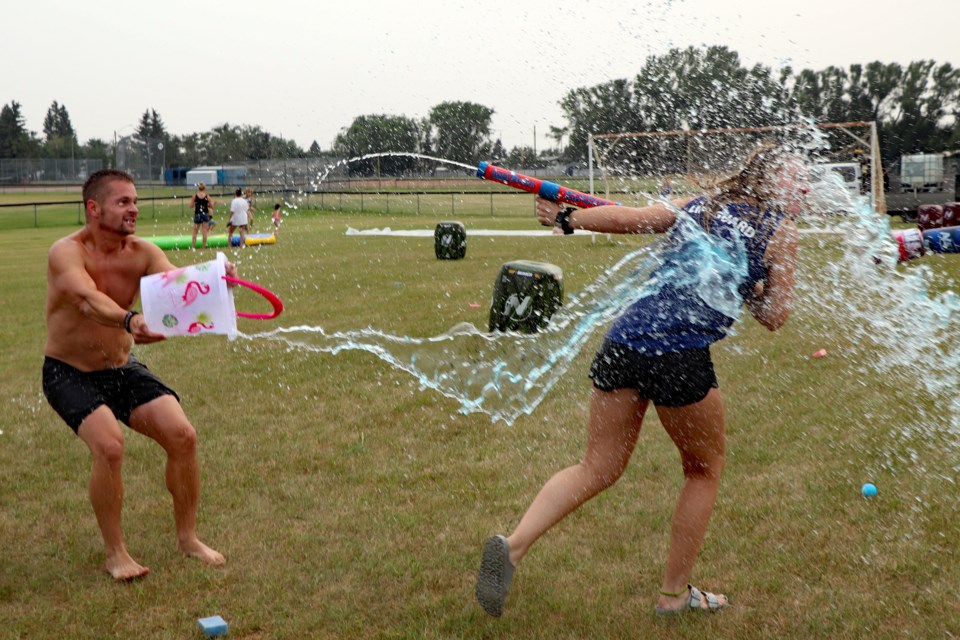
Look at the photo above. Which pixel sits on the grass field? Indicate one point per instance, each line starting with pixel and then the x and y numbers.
pixel 351 504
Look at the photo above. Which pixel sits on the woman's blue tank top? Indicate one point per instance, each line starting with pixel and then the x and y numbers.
pixel 675 318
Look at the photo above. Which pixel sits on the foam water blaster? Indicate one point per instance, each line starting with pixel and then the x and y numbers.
pixel 543 188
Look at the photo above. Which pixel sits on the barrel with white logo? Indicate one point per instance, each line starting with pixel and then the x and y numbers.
pixel 525 295
pixel 951 214
pixel 910 243
pixel 450 241
pixel 929 216
pixel 943 240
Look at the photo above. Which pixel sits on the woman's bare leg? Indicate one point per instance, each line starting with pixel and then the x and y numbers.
pixel 699 432
pixel 614 425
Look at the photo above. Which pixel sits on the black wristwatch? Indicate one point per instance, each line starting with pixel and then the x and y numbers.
pixel 563 220
pixel 128 318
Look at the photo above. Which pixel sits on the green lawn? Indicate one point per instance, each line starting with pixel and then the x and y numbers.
pixel 352 504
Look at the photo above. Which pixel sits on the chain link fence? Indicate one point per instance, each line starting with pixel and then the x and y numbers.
pixel 22 171
pixel 143 158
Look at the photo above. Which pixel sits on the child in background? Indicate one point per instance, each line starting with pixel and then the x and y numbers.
pixel 276 219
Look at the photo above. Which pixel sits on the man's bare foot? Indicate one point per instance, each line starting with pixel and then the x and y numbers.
pixel 196 549
pixel 122 567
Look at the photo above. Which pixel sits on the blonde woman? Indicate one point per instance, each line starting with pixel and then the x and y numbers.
pixel 202 205
pixel 658 351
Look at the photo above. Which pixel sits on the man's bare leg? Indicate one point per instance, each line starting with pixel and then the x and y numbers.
pixel 103 436
pixel 163 420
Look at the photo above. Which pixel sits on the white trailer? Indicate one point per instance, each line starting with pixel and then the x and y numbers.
pixel 922 172
pixel 206 175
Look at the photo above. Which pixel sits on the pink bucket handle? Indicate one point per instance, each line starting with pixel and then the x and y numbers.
pixel 269 295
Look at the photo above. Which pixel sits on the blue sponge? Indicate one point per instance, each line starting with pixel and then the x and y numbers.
pixel 213 626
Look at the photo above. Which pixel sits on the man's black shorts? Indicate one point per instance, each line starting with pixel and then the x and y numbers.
pixel 670 380
pixel 75 394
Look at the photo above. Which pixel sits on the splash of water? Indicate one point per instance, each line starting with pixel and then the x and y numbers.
pixel 885 309
pixel 901 330
pixel 506 375
pixel 389 154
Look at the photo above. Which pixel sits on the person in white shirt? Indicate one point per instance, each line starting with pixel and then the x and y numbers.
pixel 239 211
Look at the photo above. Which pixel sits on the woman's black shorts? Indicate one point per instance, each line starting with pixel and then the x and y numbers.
pixel 670 380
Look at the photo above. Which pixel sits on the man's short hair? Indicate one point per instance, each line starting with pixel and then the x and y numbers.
pixel 239 192
pixel 94 186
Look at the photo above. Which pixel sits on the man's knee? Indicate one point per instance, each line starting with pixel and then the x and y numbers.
pixel 104 438
pixel 180 437
pixel 109 450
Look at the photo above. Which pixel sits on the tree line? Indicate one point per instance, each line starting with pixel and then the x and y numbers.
pixel 60 140
pixel 916 106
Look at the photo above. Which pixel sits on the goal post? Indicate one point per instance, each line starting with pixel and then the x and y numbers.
pixel 654 161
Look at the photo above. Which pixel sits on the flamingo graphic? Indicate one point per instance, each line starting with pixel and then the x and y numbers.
pixel 197 327
pixel 171 276
pixel 193 290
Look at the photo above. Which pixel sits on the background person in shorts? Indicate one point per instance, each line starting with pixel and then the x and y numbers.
pixel 239 218
pixel 658 351
pixel 202 205
pixel 90 376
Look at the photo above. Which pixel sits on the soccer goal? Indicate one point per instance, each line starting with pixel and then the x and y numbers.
pixel 670 161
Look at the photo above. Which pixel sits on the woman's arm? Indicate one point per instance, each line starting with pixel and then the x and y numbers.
pixel 771 302
pixel 656 218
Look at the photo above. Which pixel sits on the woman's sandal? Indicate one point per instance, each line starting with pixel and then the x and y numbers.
pixel 696 601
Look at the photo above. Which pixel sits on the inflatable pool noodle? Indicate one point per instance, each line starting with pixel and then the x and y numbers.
pixel 170 243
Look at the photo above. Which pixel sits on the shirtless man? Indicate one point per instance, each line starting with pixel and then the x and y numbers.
pixel 92 380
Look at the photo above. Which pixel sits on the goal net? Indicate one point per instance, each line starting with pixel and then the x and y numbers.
pixel 674 161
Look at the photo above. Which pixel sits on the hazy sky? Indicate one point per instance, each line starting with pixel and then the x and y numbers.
pixel 305 68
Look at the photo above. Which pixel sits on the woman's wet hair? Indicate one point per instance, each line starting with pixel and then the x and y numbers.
pixel 756 181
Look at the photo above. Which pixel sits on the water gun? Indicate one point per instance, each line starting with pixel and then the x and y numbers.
pixel 543 188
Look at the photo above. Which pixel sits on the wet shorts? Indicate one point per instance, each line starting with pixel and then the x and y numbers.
pixel 670 380
pixel 75 394
pixel 201 218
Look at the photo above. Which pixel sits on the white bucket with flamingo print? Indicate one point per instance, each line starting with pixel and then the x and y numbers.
pixel 196 300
